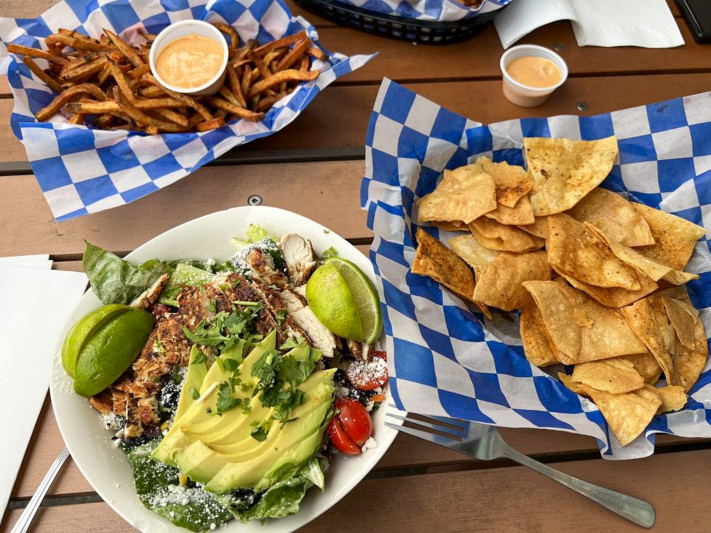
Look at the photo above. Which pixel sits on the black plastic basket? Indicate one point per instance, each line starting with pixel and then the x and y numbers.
pixel 415 31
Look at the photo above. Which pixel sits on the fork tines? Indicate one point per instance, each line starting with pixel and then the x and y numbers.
pixel 436 427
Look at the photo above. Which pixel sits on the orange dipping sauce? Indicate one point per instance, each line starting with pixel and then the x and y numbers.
pixel 534 71
pixel 190 61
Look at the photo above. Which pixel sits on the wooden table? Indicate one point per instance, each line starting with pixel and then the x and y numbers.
pixel 314 167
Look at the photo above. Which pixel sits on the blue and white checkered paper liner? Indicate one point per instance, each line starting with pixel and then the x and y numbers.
pixel 82 170
pixel 440 10
pixel 445 360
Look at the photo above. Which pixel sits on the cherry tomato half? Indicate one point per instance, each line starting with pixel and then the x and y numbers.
pixel 351 426
pixel 369 375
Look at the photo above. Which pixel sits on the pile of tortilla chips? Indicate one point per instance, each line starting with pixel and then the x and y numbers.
pixel 599 280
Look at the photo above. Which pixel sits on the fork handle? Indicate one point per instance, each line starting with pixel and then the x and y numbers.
pixel 638 511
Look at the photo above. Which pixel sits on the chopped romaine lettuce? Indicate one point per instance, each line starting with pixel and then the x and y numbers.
pixel 115 280
pixel 328 254
pixel 159 489
pixel 255 233
pixel 183 275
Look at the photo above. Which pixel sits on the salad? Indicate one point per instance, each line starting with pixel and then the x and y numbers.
pixel 231 386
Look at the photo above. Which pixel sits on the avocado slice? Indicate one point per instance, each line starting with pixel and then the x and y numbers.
pixel 294 444
pixel 196 413
pixel 192 382
pixel 201 460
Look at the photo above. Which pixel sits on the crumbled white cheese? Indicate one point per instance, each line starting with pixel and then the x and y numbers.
pixel 369 444
pixel 341 392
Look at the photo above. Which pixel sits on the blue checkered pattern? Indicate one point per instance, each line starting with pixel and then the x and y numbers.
pixel 447 360
pixel 83 170
pixel 441 10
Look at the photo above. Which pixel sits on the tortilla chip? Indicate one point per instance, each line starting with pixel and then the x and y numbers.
pixel 536 342
pixel 627 414
pixel 648 319
pixel 689 363
pixel 576 250
pixel 646 366
pixel 614 296
pixel 465 194
pixel 675 238
pixel 568 381
pixel 499 284
pixel 580 328
pixel 435 260
pixel 614 215
pixel 539 228
pixel 683 319
pixel 564 171
pixel 673 398
pixel 520 214
pixel 476 255
pixel 497 236
pixel 611 375
pixel 647 265
pixel 512 182
pixel 454 225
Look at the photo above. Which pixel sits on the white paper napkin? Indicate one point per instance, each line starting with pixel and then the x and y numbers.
pixel 644 23
pixel 35 303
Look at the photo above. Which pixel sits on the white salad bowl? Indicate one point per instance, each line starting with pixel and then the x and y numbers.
pixel 105 466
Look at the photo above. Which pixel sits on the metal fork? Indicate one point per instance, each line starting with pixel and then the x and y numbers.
pixel 485 443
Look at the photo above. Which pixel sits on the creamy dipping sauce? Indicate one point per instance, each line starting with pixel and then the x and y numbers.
pixel 534 71
pixel 190 61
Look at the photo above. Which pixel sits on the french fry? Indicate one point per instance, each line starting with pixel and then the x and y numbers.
pixel 138 72
pixel 140 117
pixel 158 103
pixel 305 64
pixel 66 96
pixel 279 77
pixel 317 53
pixel 228 95
pixel 121 80
pixel 213 124
pixel 173 116
pixel 34 52
pixel 153 91
pixel 280 43
pixel 42 75
pixel 261 66
pixel 125 49
pixel 92 107
pixel 234 85
pixel 246 82
pixel 267 102
pixel 184 98
pixel 77 118
pixel 294 54
pixel 60 41
pixel 84 71
pixel 236 110
pixel 229 30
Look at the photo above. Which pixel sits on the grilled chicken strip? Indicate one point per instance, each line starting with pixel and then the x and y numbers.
pixel 316 333
pixel 299 257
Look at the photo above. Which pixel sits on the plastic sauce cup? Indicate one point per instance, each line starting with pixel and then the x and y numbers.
pixel 523 95
pixel 181 29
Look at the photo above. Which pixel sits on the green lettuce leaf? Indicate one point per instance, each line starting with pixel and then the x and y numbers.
pixel 158 488
pixel 256 233
pixel 283 498
pixel 184 274
pixel 115 280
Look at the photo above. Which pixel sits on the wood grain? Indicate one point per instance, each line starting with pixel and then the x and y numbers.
pixel 326 192
pixel 510 499
pixel 339 116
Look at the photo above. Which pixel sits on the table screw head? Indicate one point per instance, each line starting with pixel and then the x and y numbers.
pixel 558 47
pixel 255 199
pixel 582 106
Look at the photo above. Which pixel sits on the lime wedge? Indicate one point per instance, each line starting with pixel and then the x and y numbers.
pixel 345 301
pixel 83 330
pixel 111 350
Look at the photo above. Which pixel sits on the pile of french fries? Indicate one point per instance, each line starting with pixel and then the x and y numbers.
pixel 107 83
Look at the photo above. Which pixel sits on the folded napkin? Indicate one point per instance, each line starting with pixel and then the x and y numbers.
pixel 644 23
pixel 36 302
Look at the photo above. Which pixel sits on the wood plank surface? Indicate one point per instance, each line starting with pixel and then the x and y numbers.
pixel 504 499
pixel 482 101
pixel 326 192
